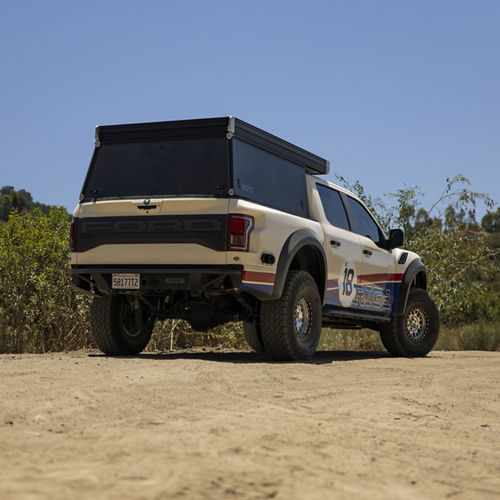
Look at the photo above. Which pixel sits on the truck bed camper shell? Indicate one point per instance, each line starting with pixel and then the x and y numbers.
pixel 217 157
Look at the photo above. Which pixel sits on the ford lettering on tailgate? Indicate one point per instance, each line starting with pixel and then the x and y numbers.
pixel 205 230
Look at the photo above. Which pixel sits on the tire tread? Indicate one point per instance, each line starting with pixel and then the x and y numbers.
pixel 392 334
pixel 102 314
pixel 105 326
pixel 275 318
pixel 253 336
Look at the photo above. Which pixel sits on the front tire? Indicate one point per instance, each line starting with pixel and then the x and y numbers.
pixel 291 325
pixel 414 333
pixel 121 326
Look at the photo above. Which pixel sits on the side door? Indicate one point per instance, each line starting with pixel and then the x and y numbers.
pixel 342 250
pixel 376 281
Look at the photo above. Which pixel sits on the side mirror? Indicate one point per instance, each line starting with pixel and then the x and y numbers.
pixel 396 238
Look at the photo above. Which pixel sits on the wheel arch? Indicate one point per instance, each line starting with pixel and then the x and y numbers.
pixel 415 276
pixel 301 251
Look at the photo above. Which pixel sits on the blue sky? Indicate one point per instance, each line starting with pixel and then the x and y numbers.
pixel 393 93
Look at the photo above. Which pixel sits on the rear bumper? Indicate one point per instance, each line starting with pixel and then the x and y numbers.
pixel 157 279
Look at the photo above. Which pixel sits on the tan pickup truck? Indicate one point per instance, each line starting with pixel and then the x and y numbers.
pixel 215 220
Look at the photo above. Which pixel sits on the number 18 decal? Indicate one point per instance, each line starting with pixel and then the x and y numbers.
pixel 348 278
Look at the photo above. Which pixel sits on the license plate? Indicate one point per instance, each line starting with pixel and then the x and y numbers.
pixel 126 281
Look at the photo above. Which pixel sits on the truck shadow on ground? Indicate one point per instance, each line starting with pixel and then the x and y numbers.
pixel 320 358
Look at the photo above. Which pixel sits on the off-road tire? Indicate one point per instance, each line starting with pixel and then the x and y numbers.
pixel 253 336
pixel 414 333
pixel 108 323
pixel 291 325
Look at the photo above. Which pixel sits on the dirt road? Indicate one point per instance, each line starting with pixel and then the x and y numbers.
pixel 233 425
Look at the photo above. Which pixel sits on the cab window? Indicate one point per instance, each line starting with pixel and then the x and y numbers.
pixel 333 206
pixel 364 223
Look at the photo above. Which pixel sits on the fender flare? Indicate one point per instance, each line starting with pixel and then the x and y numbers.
pixel 412 270
pixel 295 242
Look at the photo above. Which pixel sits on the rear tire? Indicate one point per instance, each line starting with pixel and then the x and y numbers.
pixel 253 336
pixel 120 325
pixel 291 325
pixel 414 333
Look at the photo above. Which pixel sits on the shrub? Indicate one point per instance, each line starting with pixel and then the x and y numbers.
pixel 39 309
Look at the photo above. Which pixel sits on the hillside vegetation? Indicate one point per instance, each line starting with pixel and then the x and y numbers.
pixel 40 311
pixel 19 202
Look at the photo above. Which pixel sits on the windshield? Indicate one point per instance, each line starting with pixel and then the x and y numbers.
pixel 180 167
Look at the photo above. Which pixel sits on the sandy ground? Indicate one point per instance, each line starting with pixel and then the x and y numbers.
pixel 227 425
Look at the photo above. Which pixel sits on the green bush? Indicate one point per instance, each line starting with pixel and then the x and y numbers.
pixel 39 309
pixel 460 272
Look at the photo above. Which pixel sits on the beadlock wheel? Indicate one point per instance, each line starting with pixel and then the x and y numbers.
pixel 415 332
pixel 291 325
pixel 303 318
pixel 416 324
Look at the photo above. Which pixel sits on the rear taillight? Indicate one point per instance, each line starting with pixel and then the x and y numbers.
pixel 238 232
pixel 72 234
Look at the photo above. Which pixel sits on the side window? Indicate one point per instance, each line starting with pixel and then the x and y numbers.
pixel 333 206
pixel 366 226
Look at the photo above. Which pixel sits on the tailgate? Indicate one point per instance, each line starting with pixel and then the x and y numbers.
pixel 151 231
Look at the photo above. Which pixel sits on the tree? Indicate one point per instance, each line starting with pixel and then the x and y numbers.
pixel 20 202
pixel 491 221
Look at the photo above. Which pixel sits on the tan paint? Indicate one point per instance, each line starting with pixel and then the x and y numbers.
pixel 272 229
pixel 168 206
pixel 151 253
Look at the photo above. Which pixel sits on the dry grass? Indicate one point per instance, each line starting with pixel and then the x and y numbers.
pixel 479 336
pixel 176 334
pixel 350 340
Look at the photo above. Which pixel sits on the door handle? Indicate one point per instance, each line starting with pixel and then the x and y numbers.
pixel 367 252
pixel 335 243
